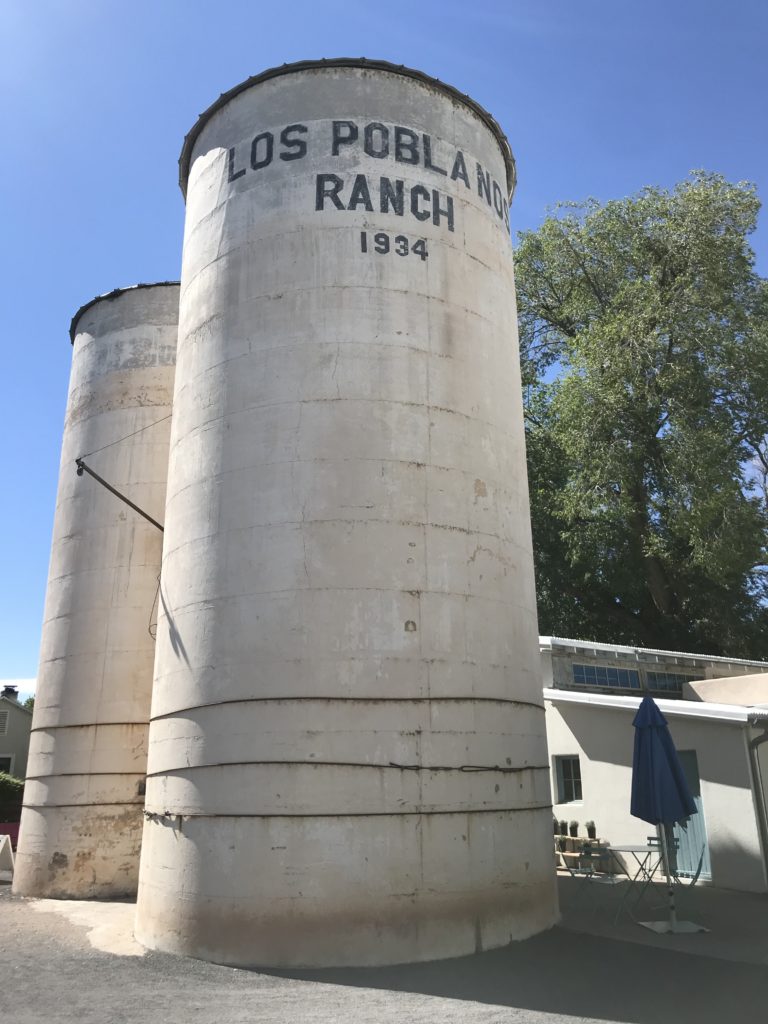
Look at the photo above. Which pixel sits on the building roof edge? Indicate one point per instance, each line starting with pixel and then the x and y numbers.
pixel 551 642
pixel 737 714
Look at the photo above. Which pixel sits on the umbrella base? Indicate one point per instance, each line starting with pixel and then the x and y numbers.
pixel 673 927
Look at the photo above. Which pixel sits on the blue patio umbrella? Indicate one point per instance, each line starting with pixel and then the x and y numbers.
pixel 660 793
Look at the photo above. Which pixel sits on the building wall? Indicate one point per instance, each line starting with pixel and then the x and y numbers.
pixel 603 738
pixel 759 736
pixel 746 689
pixel 558 657
pixel 557 662
pixel 14 740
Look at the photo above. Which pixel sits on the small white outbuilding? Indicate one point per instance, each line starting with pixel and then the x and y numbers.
pixel 720 729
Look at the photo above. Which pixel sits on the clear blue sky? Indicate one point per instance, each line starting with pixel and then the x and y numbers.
pixel 598 97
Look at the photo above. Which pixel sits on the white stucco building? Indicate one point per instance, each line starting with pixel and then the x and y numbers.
pixel 719 727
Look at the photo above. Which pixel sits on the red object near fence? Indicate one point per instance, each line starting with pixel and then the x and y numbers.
pixel 10 828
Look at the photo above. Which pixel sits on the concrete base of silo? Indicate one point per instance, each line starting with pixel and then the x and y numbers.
pixel 329 893
pixel 58 858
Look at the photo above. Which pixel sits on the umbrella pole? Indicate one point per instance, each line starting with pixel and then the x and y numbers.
pixel 673 926
pixel 661 831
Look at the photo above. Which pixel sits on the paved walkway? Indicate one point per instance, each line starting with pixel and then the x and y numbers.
pixel 77 964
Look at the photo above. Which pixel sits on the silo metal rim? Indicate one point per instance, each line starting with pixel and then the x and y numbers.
pixel 114 294
pixel 364 63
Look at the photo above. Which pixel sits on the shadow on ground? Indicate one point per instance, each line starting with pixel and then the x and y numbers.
pixel 582 976
pixel 49 971
pixel 631 975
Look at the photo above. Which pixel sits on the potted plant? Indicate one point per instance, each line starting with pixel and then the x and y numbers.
pixel 563 828
pixel 574 829
pixel 591 830
pixel 557 826
pixel 562 843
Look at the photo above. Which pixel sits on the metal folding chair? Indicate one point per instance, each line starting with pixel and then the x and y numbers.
pixel 592 864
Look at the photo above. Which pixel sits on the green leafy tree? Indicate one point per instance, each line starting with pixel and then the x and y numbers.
pixel 644 347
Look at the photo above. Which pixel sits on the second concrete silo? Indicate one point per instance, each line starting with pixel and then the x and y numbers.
pixel 83 799
pixel 347 753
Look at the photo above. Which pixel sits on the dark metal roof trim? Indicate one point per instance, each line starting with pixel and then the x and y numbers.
pixel 345 62
pixel 113 295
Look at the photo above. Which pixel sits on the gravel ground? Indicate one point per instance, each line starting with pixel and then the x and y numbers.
pixel 50 971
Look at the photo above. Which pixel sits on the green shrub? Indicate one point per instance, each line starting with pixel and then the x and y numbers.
pixel 11 792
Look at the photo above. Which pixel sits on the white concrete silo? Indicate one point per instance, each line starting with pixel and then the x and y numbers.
pixel 347 756
pixel 83 798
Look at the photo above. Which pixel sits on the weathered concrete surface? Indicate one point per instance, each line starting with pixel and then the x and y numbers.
pixel 81 824
pixel 50 971
pixel 347 726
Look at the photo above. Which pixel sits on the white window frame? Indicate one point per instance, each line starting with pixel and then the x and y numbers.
pixel 560 779
pixel 13 761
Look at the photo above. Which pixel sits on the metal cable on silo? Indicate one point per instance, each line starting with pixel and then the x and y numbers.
pixel 121 439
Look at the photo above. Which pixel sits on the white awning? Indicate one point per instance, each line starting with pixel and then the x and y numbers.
pixel 734 713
